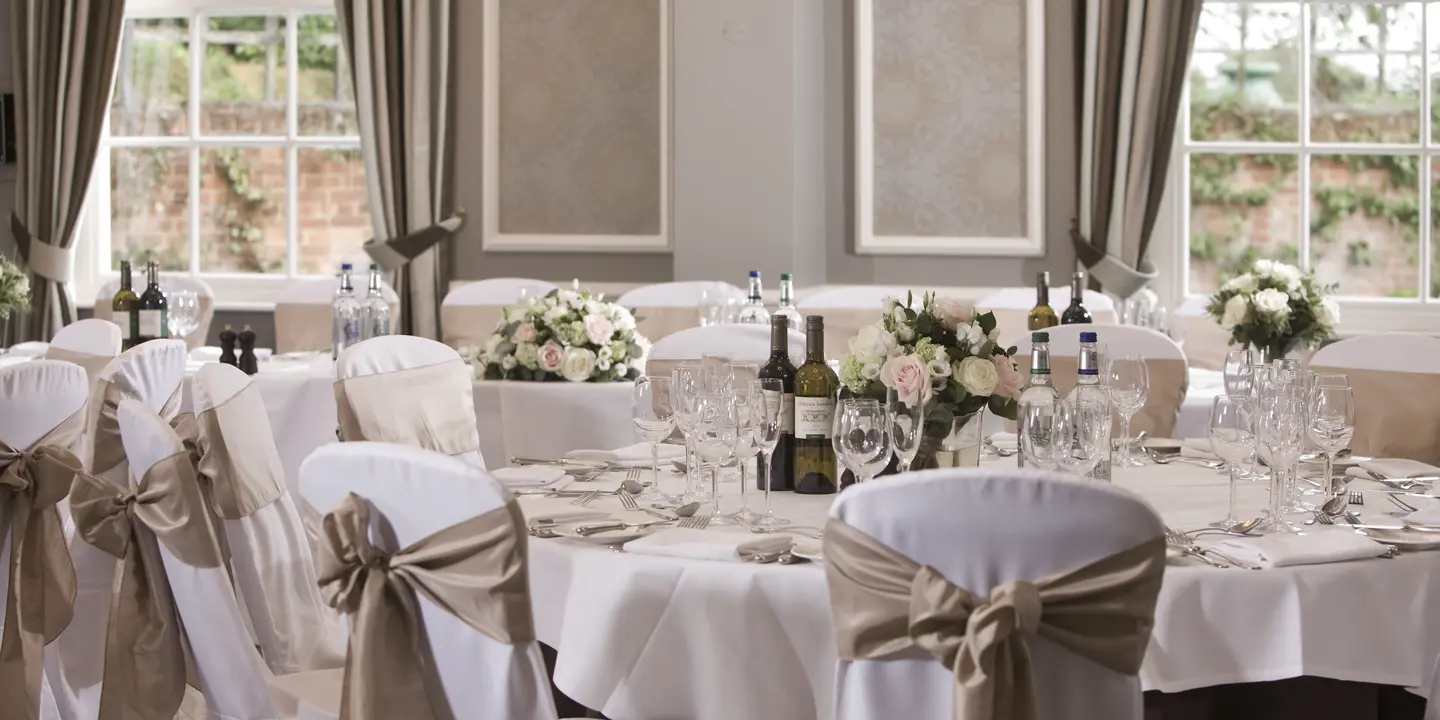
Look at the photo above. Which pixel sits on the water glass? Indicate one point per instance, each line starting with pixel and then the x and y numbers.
pixel 182 313
pixel 1035 433
pixel 1281 422
pixel 1331 425
pixel 907 428
pixel 687 385
pixel 654 421
pixel 716 439
pixel 746 396
pixel 735 375
pixel 864 437
pixel 1077 436
pixel 768 417
pixel 1239 371
pixel 1127 382
pixel 710 307
pixel 1232 438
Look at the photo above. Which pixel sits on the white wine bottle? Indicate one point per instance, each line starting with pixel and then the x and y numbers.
pixel 815 388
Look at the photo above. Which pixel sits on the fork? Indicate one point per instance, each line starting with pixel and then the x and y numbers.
pixel 626 499
pixel 695 522
pixel 586 499
pixel 1357 498
pixel 1182 542
pixel 1407 507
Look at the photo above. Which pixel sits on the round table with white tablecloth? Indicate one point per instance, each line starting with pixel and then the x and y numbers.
pixel 659 637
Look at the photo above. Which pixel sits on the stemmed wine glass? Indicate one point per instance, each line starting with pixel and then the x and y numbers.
pixel 1078 436
pixel 1282 435
pixel 863 436
pixel 654 420
pixel 907 426
pixel 1127 382
pixel 1331 425
pixel 745 396
pixel 1035 434
pixel 1239 364
pixel 182 313
pixel 687 384
pixel 767 417
pixel 718 435
pixel 1232 438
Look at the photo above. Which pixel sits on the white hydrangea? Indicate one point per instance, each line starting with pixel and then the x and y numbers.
pixel 528 355
pixel 1242 283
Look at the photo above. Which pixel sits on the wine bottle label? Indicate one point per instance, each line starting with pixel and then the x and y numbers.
pixel 152 324
pixel 814 416
pixel 125 330
pixel 786 403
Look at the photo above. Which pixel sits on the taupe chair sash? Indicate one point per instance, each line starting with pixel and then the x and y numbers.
pixel 474 570
pixel 239 484
pixel 104 448
pixel 40 599
pixel 1395 413
pixel 146 651
pixel 884 604
pixel 430 407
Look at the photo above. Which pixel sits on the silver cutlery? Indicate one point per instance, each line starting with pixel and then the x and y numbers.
pixel 695 522
pixel 1183 543
pixel 1331 509
pixel 1357 498
pixel 586 499
pixel 626 494
pixel 1407 507
pixel 588 530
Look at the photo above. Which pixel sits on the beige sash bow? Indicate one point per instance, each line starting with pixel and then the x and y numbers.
pixel 430 407
pixel 239 484
pixel 145 646
pixel 1395 413
pixel 105 449
pixel 885 603
pixel 93 364
pixel 41 597
pixel 474 570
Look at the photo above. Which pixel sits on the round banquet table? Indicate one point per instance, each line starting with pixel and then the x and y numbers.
pixel 657 637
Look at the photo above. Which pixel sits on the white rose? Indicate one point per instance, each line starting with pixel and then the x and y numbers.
pixel 1273 302
pixel 974 335
pixel 870 370
pixel 577 365
pixel 1330 311
pixel 872 342
pixel 594 308
pixel 977 375
pixel 1264 267
pixel 624 321
pixel 939 367
pixel 568 298
pixel 1243 283
pixel 1236 309
pixel 598 329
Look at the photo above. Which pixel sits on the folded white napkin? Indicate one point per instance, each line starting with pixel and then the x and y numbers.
pixel 1399 467
pixel 707 544
pixel 637 455
pixel 30 348
pixel 1005 440
pixel 1429 515
pixel 528 477
pixel 1281 550
pixel 556 511
pixel 1198 448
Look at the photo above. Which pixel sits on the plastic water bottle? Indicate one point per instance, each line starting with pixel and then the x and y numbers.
pixel 375 312
pixel 345 311
pixel 753 312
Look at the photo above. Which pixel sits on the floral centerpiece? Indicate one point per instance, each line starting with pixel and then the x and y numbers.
pixel 566 334
pixel 14 289
pixel 1275 308
pixel 943 356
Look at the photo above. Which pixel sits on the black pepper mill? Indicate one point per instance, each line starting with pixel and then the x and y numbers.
pixel 247 351
pixel 227 346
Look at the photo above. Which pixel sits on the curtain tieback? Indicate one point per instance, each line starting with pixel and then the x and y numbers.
pixel 51 262
pixel 397 252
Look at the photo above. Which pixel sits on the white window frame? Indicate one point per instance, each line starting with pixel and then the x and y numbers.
pixel 233 291
pixel 1358 314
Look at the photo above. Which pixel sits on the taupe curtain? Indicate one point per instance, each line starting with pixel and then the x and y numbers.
pixel 402 63
pixel 1134 55
pixel 64 65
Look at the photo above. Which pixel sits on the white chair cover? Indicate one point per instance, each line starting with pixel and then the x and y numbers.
pixel 35 397
pixel 1392 352
pixel 416 493
pixel 270 558
pixel 90 343
pixel 740 343
pixel 205 298
pixel 982 528
pixel 1432 703
pixel 303 312
pixel 469 313
pixel 849 308
pixel 227 667
pixel 667 308
pixel 396 353
pixel 1395 379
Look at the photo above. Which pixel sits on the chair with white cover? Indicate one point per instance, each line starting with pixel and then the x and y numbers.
pixel 470 312
pixel 204 299
pixel 304 317
pixel 410 391
pixel 400 503
pixel 1395 379
pixel 270 557
pixel 1206 342
pixel 1029 574
pixel 90 343
pixel 42 418
pixel 1012 309
pixel 738 343
pixel 1169 373
pixel 1432 702
pixel 848 308
pixel 666 308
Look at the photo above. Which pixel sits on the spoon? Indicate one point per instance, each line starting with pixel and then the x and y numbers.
pixel 1333 508
pixel 632 486
pixel 1243 527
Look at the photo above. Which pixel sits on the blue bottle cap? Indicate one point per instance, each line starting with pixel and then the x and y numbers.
pixel 1087 337
pixel 754 273
pixel 346 266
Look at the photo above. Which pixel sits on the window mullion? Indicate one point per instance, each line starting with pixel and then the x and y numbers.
pixel 1304 132
pixel 1425 229
pixel 292 153
pixel 197 66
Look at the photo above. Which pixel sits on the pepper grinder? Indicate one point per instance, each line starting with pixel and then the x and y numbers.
pixel 247 351
pixel 227 346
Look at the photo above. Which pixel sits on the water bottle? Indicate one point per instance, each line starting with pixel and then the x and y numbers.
pixel 375 311
pixel 345 311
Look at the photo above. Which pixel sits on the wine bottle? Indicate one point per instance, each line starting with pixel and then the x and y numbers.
pixel 125 306
pixel 815 388
pixel 152 316
pixel 782 467
pixel 1042 315
pixel 1076 313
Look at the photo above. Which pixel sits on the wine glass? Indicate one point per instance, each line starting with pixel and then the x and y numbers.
pixel 1232 438
pixel 1282 435
pixel 768 419
pixel 1331 425
pixel 687 384
pixel 1035 431
pixel 1078 436
pixel 654 421
pixel 864 437
pixel 710 306
pixel 745 396
pixel 907 426
pixel 715 378
pixel 182 313
pixel 737 374
pixel 1127 382
pixel 1239 363
pixel 718 433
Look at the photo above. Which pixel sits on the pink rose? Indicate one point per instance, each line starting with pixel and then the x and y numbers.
pixel 598 329
pixel 953 312
pixel 1010 379
pixel 907 376
pixel 551 356
pixel 524 332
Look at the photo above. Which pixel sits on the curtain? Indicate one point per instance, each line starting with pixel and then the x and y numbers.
pixel 64 65
pixel 1134 56
pixel 402 67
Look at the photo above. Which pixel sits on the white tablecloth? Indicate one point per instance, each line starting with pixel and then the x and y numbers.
pixel 652 637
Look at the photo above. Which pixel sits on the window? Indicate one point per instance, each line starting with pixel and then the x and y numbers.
pixel 1309 136
pixel 231 150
